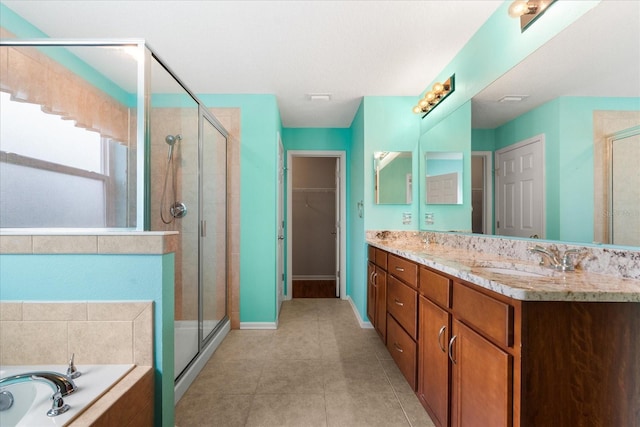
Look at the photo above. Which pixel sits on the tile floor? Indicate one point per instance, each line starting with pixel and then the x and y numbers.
pixel 319 368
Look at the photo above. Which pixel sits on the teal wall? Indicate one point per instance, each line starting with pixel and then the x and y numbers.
pixel 567 124
pixel 483 139
pixel 389 125
pixel 259 126
pixel 104 278
pixel 451 134
pixel 392 180
pixel 495 48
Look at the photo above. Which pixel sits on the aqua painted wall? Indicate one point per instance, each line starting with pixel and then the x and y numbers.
pixel 567 124
pixel 104 278
pixel 259 126
pixel 495 48
pixel 389 125
pixel 451 134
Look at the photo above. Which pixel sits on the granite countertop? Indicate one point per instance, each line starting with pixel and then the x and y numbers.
pixel 515 278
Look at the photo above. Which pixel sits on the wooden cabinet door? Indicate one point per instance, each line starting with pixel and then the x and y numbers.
pixel 371 293
pixel 481 387
pixel 381 303
pixel 433 361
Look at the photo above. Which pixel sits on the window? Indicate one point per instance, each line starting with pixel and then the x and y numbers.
pixel 54 174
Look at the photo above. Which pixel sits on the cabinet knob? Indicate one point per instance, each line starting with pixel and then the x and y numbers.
pixel 444 328
pixel 397 347
pixel 453 339
pixel 401 304
pixel 399 269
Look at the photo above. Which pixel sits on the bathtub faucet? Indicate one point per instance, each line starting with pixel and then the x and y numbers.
pixel 59 383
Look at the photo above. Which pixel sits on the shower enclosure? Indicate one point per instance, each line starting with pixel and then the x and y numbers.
pixel 161 165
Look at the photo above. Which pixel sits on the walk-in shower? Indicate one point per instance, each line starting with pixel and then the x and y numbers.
pixel 158 163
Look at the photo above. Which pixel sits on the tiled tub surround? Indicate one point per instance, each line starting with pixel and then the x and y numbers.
pixel 602 274
pixel 37 333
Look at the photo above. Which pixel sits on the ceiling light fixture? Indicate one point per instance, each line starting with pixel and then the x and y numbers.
pixel 513 98
pixel 435 96
pixel 528 11
pixel 319 97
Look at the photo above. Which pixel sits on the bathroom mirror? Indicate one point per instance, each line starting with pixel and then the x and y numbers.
pixel 443 180
pixel 577 91
pixel 393 177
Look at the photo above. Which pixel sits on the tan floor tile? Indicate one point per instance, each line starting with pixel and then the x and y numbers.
pixel 228 377
pixel 397 380
pixel 213 410
pixel 355 376
pixel 287 410
pixel 291 376
pixel 364 410
pixel 295 346
pixel 418 417
pixel 238 345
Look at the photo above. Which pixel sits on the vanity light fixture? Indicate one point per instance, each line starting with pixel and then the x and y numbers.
pixel 528 11
pixel 436 95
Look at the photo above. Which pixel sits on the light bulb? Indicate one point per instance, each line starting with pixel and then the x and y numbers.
pixel 518 8
pixel 429 96
pixel 417 109
pixel 438 88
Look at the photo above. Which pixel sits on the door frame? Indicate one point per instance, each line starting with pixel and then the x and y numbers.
pixel 280 218
pixel 341 196
pixel 487 191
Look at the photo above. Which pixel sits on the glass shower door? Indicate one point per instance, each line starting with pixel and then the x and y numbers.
pixel 213 241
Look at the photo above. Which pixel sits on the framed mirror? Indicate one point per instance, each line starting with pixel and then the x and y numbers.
pixel 443 180
pixel 393 177
pixel 576 91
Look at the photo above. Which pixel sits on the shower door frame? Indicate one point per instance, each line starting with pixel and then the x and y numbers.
pixel 204 114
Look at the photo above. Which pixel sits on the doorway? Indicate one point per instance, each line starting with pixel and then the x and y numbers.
pixel 482 192
pixel 315 214
pixel 520 193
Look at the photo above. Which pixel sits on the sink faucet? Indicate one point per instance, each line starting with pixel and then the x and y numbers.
pixel 551 256
pixel 59 383
pixel 557 262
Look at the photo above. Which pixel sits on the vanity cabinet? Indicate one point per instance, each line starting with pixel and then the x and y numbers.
pixel 433 361
pixel 479 358
pixel 377 291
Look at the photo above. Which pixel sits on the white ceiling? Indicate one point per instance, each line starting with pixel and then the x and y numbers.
pixel 291 48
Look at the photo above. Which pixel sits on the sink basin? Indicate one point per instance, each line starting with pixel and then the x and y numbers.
pixel 509 271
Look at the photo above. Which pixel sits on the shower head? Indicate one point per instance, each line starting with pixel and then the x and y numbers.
pixel 170 139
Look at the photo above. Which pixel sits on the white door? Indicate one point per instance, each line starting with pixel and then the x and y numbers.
pixel 442 189
pixel 520 207
pixel 280 227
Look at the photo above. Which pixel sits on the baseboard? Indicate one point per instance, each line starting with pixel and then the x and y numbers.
pixel 258 325
pixel 364 324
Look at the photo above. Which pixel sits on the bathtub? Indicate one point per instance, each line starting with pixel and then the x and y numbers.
pixel 32 399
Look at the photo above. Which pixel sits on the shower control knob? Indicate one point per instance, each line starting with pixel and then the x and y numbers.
pixel 178 210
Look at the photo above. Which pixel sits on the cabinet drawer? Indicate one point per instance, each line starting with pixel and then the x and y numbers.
pixel 402 349
pixel 402 304
pixel 489 316
pixel 435 287
pixel 381 258
pixel 403 269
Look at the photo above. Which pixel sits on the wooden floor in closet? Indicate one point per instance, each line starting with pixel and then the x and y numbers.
pixel 314 288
